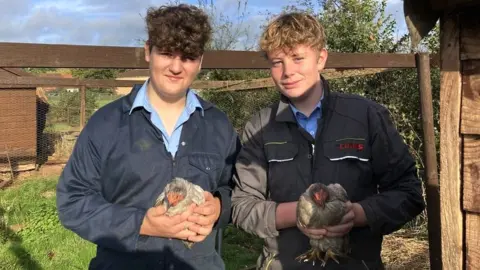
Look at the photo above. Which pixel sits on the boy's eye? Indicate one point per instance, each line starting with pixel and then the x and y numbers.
pixel 189 58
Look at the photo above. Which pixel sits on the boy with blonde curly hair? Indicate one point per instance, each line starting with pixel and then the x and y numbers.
pixel 314 135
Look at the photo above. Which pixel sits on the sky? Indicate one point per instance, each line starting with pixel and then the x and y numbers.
pixel 120 22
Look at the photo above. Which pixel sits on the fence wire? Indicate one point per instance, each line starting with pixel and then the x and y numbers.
pixel 40 125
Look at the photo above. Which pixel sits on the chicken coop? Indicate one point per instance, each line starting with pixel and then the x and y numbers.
pixel 459 123
pixel 18 121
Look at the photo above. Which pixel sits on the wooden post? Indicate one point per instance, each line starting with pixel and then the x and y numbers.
pixel 83 106
pixel 430 156
pixel 452 221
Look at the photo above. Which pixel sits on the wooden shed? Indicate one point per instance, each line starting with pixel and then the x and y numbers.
pixel 459 122
pixel 18 122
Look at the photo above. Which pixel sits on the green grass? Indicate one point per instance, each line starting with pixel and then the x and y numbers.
pixel 104 101
pixel 60 127
pixel 43 243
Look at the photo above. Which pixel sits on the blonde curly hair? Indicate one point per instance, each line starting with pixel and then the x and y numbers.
pixel 291 29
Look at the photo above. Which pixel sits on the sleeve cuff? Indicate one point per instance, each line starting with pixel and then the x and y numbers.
pixel 226 205
pixel 139 240
pixel 271 219
pixel 369 214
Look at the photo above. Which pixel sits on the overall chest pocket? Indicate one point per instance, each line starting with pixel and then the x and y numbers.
pixel 350 163
pixel 283 173
pixel 204 169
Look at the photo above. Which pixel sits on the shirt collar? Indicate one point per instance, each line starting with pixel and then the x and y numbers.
pixel 296 112
pixel 141 100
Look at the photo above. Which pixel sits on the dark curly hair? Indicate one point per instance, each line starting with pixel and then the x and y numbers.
pixel 181 28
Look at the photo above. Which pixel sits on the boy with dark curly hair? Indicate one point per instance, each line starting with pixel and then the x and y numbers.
pixel 132 148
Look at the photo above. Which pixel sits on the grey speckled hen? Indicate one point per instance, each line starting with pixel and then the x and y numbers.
pixel 321 206
pixel 177 196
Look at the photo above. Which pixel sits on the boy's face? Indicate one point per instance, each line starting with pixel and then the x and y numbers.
pixel 171 74
pixel 297 71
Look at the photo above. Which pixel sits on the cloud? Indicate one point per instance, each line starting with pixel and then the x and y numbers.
pixel 85 22
pixel 121 23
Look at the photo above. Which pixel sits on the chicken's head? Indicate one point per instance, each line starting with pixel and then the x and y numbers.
pixel 319 194
pixel 175 195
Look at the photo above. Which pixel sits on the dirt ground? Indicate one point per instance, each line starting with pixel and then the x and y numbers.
pixel 402 250
pixel 44 171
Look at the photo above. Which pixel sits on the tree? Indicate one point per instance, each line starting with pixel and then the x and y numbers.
pixel 352 25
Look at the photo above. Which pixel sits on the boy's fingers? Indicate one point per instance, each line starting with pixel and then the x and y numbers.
pixel 206 210
pixel 159 210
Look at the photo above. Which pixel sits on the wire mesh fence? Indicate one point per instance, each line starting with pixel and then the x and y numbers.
pixel 41 125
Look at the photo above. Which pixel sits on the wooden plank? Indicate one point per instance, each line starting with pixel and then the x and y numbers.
pixel 19 148
pixel 18 72
pixel 17 153
pixel 450 162
pixel 472 236
pixel 431 167
pixel 239 85
pixel 233 85
pixel 70 56
pixel 471 97
pixel 471 173
pixel 17 134
pixel 42 81
pixel 14 125
pixel 20 112
pixel 83 56
pixel 470 34
pixel 18 118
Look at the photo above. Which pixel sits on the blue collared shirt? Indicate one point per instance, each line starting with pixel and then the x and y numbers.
pixel 172 141
pixel 308 123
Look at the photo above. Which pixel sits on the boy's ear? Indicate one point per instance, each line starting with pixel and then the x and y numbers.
pixel 322 59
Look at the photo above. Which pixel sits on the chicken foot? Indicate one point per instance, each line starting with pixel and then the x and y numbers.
pixel 329 255
pixel 313 255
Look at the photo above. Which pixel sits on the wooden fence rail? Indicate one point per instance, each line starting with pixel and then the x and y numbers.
pixel 83 56
pixel 221 86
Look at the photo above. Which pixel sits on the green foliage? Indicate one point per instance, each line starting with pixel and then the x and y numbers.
pixel 352 26
pixel 95 73
pixel 240 105
pixel 357 26
pixel 39 70
pixel 232 74
pixel 66 108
